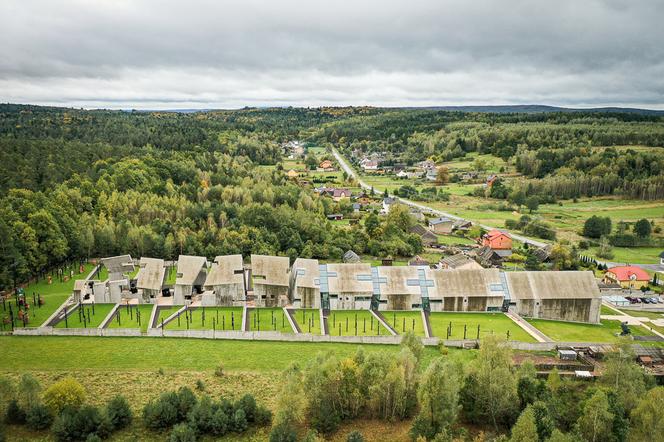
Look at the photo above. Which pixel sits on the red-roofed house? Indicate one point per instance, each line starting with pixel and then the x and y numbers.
pixel 497 240
pixel 629 277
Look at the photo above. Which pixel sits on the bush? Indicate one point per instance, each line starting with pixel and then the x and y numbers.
pixel 201 416
pixel 263 416
pixel 73 424
pixel 186 401
pixel 162 413
pixel 355 436
pixel 239 421
pixel 220 423
pixel 182 433
pixel 14 415
pixel 39 417
pixel 219 370
pixel 65 393
pixel 325 418
pixel 119 413
pixel 200 385
pixel 247 403
pixel 283 432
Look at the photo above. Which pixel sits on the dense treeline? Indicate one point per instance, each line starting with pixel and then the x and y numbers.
pixel 89 188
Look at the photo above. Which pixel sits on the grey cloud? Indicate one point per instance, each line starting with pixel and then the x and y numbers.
pixel 116 53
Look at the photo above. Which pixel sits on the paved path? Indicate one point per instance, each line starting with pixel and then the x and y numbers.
pixel 532 331
pixel 350 172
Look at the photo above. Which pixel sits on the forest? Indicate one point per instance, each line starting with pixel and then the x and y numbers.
pixel 86 183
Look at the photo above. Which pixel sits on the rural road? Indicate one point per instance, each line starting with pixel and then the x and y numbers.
pixel 350 172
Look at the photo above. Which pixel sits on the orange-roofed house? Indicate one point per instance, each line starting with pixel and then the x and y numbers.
pixel 497 240
pixel 629 277
pixel 326 165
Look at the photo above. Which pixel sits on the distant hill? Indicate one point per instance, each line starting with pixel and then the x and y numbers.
pixel 540 108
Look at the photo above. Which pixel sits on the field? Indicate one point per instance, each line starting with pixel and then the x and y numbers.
pixel 269 319
pixel 129 318
pixel 343 323
pixel 308 319
pixel 489 323
pixel 96 316
pixel 606 332
pixel 403 321
pixel 643 314
pixel 207 318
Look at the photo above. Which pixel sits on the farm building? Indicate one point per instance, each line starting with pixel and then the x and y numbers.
pixel 629 277
pixel 442 225
pixel 150 279
pixel 458 261
pixel 566 296
pixel 190 278
pixel 326 165
pixel 470 290
pixel 225 280
pixel 346 286
pixel 428 237
pixel 270 280
pixel 461 225
pixel 305 283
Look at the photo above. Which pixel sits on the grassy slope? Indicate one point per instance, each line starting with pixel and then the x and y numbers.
pixel 572 332
pixel 490 323
pixel 306 316
pixel 366 323
pixel 265 316
pixel 100 313
pixel 227 317
pixel 396 320
pixel 130 319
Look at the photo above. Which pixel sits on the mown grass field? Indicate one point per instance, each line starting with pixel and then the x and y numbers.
pixel 489 324
pixel 128 318
pixel 405 321
pixel 207 318
pixel 643 314
pixel 343 323
pixel 308 319
pixel 269 319
pixel 605 332
pixel 165 311
pixel 93 316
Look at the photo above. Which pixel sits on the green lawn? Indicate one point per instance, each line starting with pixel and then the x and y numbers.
pixel 219 318
pixel 308 319
pixel 165 311
pixel 129 319
pixel 643 314
pixel 96 318
pixel 405 321
pixel 345 321
pixel 171 275
pixel 604 310
pixel 489 323
pixel 53 295
pixel 606 332
pixel 63 353
pixel 639 255
pixel 269 319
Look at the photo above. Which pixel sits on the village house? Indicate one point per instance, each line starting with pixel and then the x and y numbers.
pixel 487 257
pixel 432 174
pixel 500 242
pixel 387 204
pixel 408 174
pixel 441 225
pixel 292 174
pixel 428 237
pixel 629 277
pixel 326 166
pixel 335 193
pixel 490 180
pixel 335 216
pixel 369 165
pixel 461 225
pixel 470 175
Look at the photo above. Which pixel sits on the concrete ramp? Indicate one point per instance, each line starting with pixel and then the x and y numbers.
pixel 532 331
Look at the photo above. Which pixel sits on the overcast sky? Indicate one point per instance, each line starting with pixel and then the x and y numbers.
pixel 226 54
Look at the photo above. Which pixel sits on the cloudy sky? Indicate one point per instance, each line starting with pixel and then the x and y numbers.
pixel 147 54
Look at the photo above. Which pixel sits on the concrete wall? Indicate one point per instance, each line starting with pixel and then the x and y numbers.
pixel 576 310
pixel 227 294
pixel 180 292
pixel 309 297
pixel 400 302
pixel 351 301
pixel 270 295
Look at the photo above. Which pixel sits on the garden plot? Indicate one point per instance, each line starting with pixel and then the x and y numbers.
pixel 354 323
pixel 308 319
pixel 207 318
pixel 86 316
pixel 133 316
pixel 405 321
pixel 268 319
pixel 482 324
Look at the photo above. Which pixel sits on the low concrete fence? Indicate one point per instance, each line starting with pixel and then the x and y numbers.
pixel 283 337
